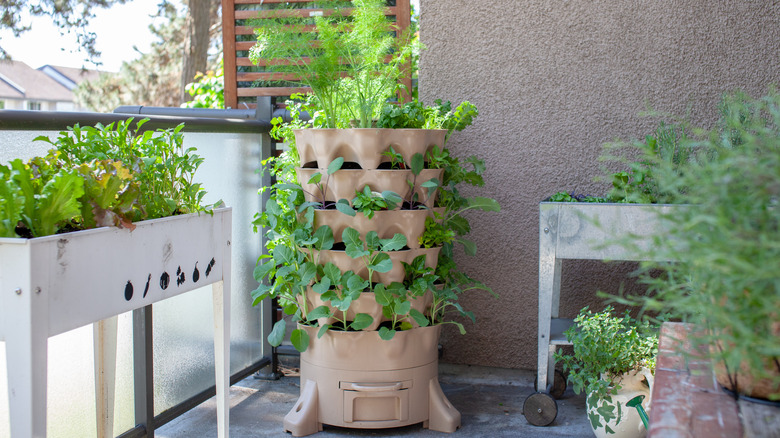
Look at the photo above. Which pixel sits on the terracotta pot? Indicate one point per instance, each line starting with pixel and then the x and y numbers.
pixel 366 304
pixel 347 263
pixel 344 183
pixel 629 424
pixel 410 223
pixel 747 383
pixel 356 379
pixel 363 146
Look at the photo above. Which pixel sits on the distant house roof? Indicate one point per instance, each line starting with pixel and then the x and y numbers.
pixel 68 76
pixel 20 81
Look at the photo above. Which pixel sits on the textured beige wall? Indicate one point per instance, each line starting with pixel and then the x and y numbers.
pixel 553 81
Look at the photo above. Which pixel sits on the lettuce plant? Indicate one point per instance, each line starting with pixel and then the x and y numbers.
pixel 100 176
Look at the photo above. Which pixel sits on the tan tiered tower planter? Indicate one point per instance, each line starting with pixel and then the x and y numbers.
pixel 410 223
pixel 365 304
pixel 356 379
pixel 364 146
pixel 347 263
pixel 344 183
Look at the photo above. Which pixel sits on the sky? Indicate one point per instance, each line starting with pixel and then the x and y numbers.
pixel 118 29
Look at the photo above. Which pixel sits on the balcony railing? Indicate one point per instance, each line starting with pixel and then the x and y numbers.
pixel 177 360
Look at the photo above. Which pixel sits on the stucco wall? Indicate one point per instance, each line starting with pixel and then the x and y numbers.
pixel 553 81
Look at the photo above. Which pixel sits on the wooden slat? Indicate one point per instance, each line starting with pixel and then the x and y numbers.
pixel 287 13
pixel 267 76
pixel 229 53
pixel 257 2
pixel 271 91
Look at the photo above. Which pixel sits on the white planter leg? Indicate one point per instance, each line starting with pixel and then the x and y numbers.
pixel 221 298
pixel 26 353
pixel 104 339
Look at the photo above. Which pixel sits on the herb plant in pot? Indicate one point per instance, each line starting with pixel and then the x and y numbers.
pixel 613 362
pixel 109 220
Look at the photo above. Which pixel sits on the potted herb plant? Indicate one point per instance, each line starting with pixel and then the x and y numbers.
pixel 613 362
pixel 110 220
pixel 726 245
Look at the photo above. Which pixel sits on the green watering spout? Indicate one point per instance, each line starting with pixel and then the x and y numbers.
pixel 636 402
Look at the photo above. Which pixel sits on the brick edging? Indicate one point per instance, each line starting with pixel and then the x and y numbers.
pixel 687 401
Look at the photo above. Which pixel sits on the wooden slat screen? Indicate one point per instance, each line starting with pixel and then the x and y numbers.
pixel 238 39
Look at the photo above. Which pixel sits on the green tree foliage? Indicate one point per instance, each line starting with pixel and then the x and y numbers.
pixel 154 78
pixel 208 90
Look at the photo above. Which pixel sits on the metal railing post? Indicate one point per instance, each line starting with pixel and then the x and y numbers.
pixel 143 369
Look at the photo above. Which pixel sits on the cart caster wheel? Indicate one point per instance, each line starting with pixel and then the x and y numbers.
pixel 540 409
pixel 558 387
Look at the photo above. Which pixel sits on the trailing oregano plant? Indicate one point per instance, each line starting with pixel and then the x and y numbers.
pixel 606 346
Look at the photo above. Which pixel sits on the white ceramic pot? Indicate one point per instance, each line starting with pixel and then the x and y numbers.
pixel 627 423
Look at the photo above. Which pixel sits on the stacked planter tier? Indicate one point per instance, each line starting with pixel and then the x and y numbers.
pixel 410 223
pixel 355 379
pixel 344 183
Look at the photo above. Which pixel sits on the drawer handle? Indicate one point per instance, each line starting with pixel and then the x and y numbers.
pixel 381 387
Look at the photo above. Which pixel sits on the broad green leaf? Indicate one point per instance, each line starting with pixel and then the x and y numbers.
pixel 402 307
pixel 381 295
pixel 417 163
pixel 319 312
pixel 419 318
pixel 59 201
pixel 322 286
pixel 357 284
pixel 395 243
pixel 406 325
pixel 372 240
pixel 300 339
pixel 335 165
pixel 459 224
pixel 343 206
pixel 325 239
pixel 307 272
pixel 351 236
pixel 386 334
pixel 276 336
pixel 392 198
pixel 484 204
pixel 468 246
pixel 315 178
pixel 323 330
pixel 332 272
pixel 460 327
pixel 432 183
pixel 362 321
pixel 306 205
pixel 342 303
pixel 259 294
pixel 381 263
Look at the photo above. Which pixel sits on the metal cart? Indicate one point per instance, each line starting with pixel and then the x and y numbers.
pixel 578 231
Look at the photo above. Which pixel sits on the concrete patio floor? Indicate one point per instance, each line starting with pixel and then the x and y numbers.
pixel 490 401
